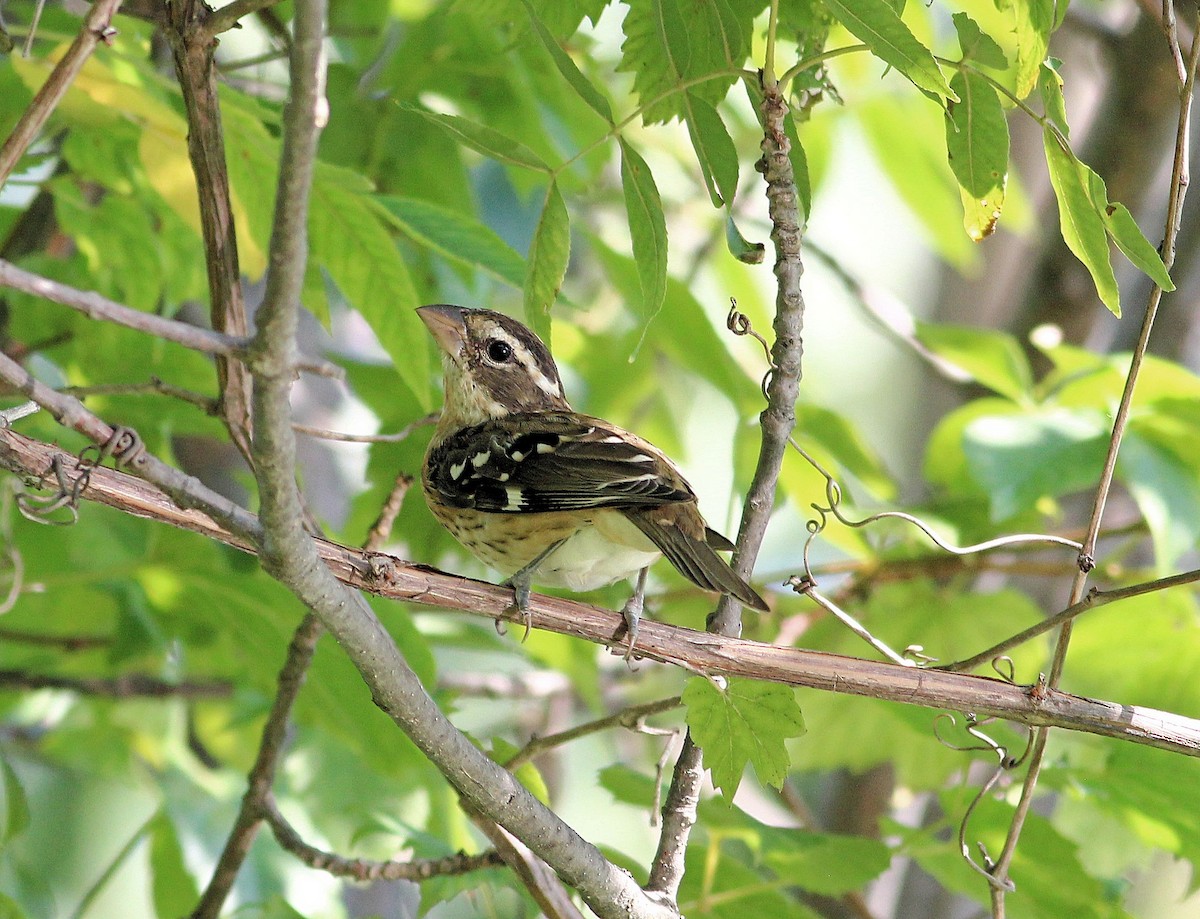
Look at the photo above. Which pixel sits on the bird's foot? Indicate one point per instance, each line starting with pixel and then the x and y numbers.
pixel 520 604
pixel 632 614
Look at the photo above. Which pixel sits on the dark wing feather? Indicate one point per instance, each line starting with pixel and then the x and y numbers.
pixel 693 554
pixel 552 461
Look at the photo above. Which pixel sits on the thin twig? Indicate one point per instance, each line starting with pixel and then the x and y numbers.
pixel 418 869
pixel 227 17
pixel 96 28
pixel 128 686
pixel 94 306
pixel 398 437
pixel 1176 193
pixel 70 643
pixel 630 718
pixel 262 775
pixel 381 529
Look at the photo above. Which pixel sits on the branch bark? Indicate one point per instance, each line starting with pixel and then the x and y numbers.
pixel 396 579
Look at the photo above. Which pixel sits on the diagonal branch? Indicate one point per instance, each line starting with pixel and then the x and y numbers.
pixel 94 306
pixel 95 30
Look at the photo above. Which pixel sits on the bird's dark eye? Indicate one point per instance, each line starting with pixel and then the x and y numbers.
pixel 499 351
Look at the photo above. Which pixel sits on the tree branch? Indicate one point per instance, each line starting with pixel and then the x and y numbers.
pixel 227 17
pixel 396 579
pixel 128 686
pixel 95 30
pixel 94 306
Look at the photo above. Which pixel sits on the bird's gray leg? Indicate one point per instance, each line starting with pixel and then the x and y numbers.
pixel 632 611
pixel 520 581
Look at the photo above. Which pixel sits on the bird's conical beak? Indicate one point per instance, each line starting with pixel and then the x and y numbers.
pixel 446 325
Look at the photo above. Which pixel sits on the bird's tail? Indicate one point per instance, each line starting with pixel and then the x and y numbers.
pixel 694 556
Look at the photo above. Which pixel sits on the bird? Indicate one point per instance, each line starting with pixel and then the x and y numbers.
pixel 544 494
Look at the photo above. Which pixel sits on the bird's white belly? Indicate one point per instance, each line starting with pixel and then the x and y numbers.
pixel 608 550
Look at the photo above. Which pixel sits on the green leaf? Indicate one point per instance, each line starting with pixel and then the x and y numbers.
pixel 714 149
pixel 993 359
pixel 487 141
pixel 174 889
pixel 977 45
pixel 647 228
pixel 740 247
pixel 349 237
pixel 1125 232
pixel 1050 87
pixel 670 43
pixel 1021 457
pixel 879 26
pixel 1167 493
pixel 547 263
pixel 1083 229
pixel 14 808
pixel 1033 21
pixel 581 84
pixel 456 236
pixel 747 721
pixel 828 864
pixel 977 147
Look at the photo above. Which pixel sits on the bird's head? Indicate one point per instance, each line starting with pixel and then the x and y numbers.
pixel 492 366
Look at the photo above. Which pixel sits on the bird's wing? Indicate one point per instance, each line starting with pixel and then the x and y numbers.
pixel 552 461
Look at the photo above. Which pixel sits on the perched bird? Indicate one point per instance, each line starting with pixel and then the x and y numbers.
pixel 544 494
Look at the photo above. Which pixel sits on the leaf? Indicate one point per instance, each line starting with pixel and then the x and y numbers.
pixel 1167 493
pixel 879 26
pixel 671 43
pixel 1050 87
pixel 581 84
pixel 14 806
pixel 174 889
pixel 647 228
pixel 1125 232
pixel 747 721
pixel 714 149
pixel 828 864
pixel 740 247
pixel 1082 228
pixel 349 237
pixel 992 358
pixel 455 236
pixel 485 140
pixel 977 45
pixel 1020 457
pixel 1033 21
pixel 977 148
pixel 549 253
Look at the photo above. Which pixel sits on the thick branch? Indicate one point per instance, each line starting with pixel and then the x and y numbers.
pixel 396 579
pixel 95 28
pixel 290 555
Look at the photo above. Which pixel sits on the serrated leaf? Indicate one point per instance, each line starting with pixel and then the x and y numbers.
pixel 549 253
pixel 977 45
pixel 880 28
pixel 714 149
pixel 993 359
pixel 747 722
pixel 977 148
pixel 740 247
pixel 647 228
pixel 829 864
pixel 670 43
pixel 350 239
pixel 1050 88
pixel 456 236
pixel 1083 229
pixel 485 140
pixel 581 84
